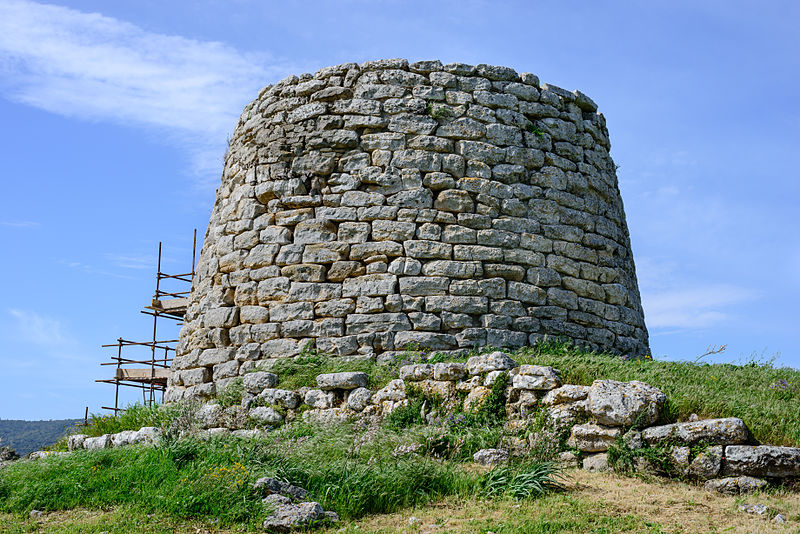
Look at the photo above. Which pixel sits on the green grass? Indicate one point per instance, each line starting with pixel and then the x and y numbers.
pixel 351 469
pixel 134 417
pixel 709 390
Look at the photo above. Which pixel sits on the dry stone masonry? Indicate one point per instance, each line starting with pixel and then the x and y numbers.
pixel 719 453
pixel 368 208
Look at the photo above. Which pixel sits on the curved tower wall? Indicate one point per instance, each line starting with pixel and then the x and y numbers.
pixel 373 207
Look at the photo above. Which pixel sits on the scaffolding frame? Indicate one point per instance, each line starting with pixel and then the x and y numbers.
pixel 151 374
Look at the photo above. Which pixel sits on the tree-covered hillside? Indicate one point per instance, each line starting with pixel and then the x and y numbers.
pixel 27 436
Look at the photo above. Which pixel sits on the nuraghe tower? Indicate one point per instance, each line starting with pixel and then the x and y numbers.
pixel 370 208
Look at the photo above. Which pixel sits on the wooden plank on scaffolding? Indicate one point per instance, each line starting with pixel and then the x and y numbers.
pixel 144 375
pixel 171 306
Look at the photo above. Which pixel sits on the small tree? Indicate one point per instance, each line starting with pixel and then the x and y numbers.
pixel 7 453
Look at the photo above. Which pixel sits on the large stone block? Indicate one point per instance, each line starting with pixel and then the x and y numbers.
pixel 616 403
pixel 761 461
pixel 728 431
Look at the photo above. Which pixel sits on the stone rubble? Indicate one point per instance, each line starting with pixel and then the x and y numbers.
pixel 712 451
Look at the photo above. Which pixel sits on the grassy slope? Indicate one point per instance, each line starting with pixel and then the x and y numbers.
pixel 357 471
pixel 352 469
pixel 719 390
pixel 595 502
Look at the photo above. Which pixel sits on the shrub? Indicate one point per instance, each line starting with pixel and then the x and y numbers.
pixel 523 481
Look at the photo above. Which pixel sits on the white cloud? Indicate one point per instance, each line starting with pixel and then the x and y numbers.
pixel 41 331
pixel 675 300
pixel 692 308
pixel 90 66
pixel 19 224
pixel 127 261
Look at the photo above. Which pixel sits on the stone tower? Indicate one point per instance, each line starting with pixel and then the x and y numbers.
pixel 369 208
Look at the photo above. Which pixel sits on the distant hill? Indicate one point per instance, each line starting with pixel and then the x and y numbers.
pixel 28 436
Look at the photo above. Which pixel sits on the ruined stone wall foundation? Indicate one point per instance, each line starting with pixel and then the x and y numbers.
pixel 372 207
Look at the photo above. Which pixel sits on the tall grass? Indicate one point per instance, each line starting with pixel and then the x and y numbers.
pixel 765 397
pixel 351 469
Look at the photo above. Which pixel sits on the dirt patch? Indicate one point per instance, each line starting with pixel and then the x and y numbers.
pixel 682 507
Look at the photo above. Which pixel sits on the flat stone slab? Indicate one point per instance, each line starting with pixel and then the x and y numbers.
pixel 351 380
pixel 416 372
pixel 762 461
pixel 736 485
pixel 591 437
pixel 727 431
pixel 565 394
pixel 494 361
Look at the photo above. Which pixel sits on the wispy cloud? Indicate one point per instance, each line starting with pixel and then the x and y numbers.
pixel 674 300
pixel 693 308
pixel 95 67
pixel 19 224
pixel 42 331
pixel 93 270
pixel 128 261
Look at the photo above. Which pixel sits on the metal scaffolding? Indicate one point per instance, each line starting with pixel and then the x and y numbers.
pixel 150 374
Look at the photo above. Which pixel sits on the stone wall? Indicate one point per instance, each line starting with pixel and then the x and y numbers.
pixel 366 208
pixel 607 417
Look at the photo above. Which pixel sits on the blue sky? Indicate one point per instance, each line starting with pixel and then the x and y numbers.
pixel 115 117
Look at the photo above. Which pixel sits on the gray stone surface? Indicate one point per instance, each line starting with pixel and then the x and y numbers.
pixel 490 456
pixel 535 377
pixel 348 380
pixel 288 517
pixel 596 462
pixel 494 361
pixel 358 399
pixel 258 381
pixel 616 403
pixel 761 461
pixel 591 437
pixel 266 415
pixel 736 485
pixel 727 431
pixel 349 202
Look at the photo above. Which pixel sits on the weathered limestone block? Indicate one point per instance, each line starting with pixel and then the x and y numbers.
pixel 728 431
pixel 280 397
pixel 616 403
pixel 449 371
pixel 426 340
pixel 100 442
pixel 347 380
pixel 416 372
pixel 537 377
pixel 494 361
pixel 476 398
pixel 316 398
pixel 761 461
pixel 393 391
pixel 565 394
pixel 736 485
pixel 358 399
pixel 490 456
pixel 256 382
pixel 707 464
pixel 266 415
pixel 591 437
